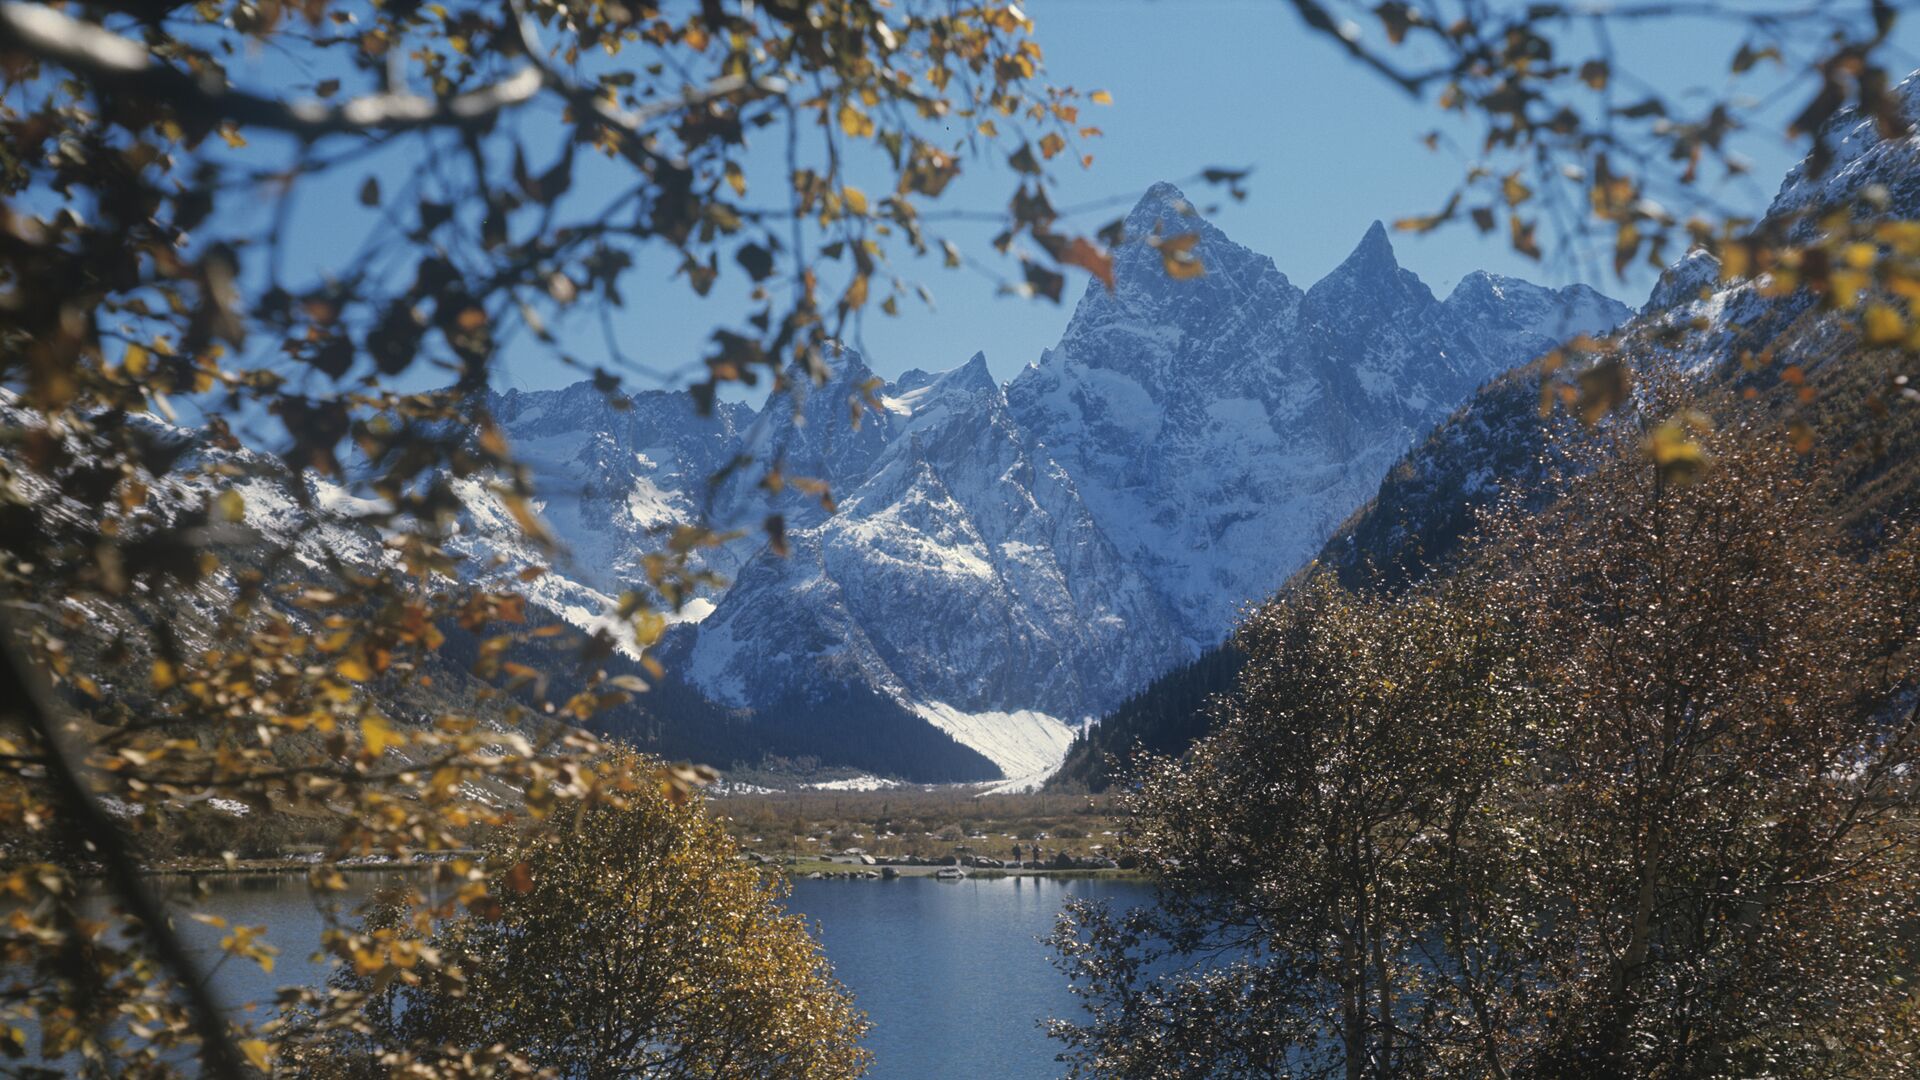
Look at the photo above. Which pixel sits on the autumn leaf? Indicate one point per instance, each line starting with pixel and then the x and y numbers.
pixel 1514 190
pixel 377 736
pixel 1424 223
pixel 1675 446
pixel 1521 237
pixel 855 123
pixel 1041 281
pixel 1091 257
pixel 1177 257
pixel 1884 324
pixel 1602 389
pixel 231 507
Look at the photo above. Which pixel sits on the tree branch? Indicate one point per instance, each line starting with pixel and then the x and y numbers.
pixel 109 60
pixel 1318 18
pixel 117 63
pixel 31 703
pixel 629 124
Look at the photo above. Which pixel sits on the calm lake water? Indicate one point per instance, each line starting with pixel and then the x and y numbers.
pixel 952 974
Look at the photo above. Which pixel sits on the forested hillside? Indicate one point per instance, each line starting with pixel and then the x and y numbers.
pixel 1744 346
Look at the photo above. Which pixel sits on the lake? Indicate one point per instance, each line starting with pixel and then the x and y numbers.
pixel 952 973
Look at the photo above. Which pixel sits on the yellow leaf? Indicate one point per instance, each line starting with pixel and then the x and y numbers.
pixel 259 1054
pixel 1514 190
pixel 378 736
pixel 854 122
pixel 736 179
pixel 1735 261
pixel 135 361
pixel 1052 144
pixel 1101 97
pixel 232 508
pixel 856 199
pixel 1844 288
pixel 1177 258
pixel 523 514
pixel 1884 325
pixel 163 676
pixel 1675 446
pixel 232 134
pixel 353 667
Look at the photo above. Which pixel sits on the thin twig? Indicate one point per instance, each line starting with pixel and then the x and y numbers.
pixel 31 703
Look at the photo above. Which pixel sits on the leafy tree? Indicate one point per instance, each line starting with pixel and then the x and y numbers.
pixel 1629 795
pixel 1305 851
pixel 513 163
pixel 633 943
pixel 1727 738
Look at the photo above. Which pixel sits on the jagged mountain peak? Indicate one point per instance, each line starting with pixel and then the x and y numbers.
pixel 1860 157
pixel 1165 212
pixel 1682 282
pixel 973 376
pixel 1374 251
pixel 1370 280
pixel 846 371
pixel 1006 561
pixel 920 401
pixel 1163 208
pixel 1485 284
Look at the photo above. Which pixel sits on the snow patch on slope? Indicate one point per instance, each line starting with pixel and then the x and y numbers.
pixel 1025 744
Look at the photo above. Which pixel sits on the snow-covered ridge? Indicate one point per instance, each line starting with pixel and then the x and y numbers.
pixel 1007 562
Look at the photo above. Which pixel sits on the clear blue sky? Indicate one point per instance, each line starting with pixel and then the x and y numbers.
pixel 1195 83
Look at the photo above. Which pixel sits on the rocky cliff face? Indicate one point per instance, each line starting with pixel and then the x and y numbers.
pixel 1693 324
pixel 1006 562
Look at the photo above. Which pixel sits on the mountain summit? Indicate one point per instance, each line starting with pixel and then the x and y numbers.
pixel 1006 562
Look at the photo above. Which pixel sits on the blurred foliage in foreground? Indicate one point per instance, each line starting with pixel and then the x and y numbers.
pixel 159 655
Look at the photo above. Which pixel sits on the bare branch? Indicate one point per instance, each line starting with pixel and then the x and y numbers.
pixel 1318 18
pixel 31 703
pixel 121 64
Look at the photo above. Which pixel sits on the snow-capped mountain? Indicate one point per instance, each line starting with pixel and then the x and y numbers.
pixel 1219 427
pixel 1007 561
pixel 1695 325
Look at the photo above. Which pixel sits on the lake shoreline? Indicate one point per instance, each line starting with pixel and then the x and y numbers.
pixel 826 869
pixel 834 870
